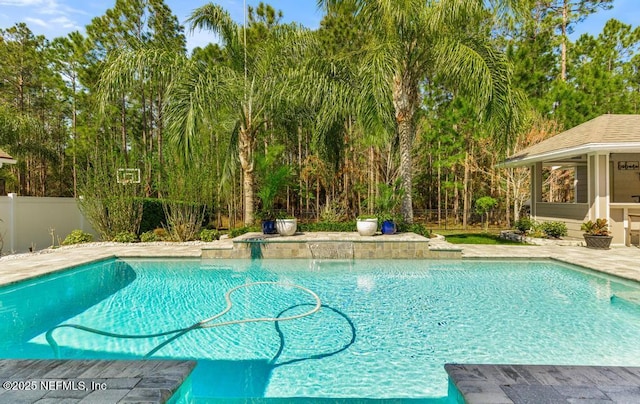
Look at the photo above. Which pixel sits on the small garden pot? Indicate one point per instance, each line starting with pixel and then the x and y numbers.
pixel 367 227
pixel 269 227
pixel 597 242
pixel 388 227
pixel 286 227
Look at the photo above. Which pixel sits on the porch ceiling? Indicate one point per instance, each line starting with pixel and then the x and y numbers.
pixel 606 133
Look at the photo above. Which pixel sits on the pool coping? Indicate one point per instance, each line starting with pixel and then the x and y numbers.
pixel 509 384
pixel 92 381
pixel 619 262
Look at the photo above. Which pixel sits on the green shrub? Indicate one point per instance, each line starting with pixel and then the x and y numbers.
pixel 417 228
pixel 76 237
pixel 524 224
pixel 537 232
pixel 238 231
pixel 162 234
pixel 554 229
pixel 333 213
pixel 125 237
pixel 328 226
pixel 149 236
pixel 209 235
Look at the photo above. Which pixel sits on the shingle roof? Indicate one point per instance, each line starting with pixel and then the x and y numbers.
pixel 5 155
pixel 603 132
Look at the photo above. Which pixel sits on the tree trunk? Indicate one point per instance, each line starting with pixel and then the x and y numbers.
pixel 465 189
pixel 456 198
pixel 300 203
pixel 439 185
pixel 563 45
pixel 372 181
pixel 318 198
pixel 74 129
pixel 405 100
pixel 507 196
pixel 123 129
pixel 246 141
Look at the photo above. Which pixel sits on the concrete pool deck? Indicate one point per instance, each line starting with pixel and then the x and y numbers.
pixel 623 262
pixel 476 383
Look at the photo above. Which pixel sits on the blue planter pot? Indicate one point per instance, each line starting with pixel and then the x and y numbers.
pixel 388 227
pixel 269 227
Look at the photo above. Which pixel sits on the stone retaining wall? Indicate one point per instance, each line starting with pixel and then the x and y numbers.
pixel 319 247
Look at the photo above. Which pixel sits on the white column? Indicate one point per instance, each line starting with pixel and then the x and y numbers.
pixel 536 187
pixel 11 226
pixel 607 188
pixel 81 214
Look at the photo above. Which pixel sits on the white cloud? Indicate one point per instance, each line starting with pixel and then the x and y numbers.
pixel 19 3
pixel 48 7
pixel 36 21
pixel 65 22
pixel 48 17
pixel 57 23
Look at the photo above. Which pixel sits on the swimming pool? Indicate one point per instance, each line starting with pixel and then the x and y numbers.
pixel 385 328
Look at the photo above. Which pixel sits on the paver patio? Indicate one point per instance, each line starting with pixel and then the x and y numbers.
pixel 623 262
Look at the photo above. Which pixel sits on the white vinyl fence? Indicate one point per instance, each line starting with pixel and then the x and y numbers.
pixel 33 223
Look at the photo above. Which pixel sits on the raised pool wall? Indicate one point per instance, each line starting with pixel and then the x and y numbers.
pixel 347 246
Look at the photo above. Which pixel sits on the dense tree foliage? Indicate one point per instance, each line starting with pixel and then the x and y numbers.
pixel 382 90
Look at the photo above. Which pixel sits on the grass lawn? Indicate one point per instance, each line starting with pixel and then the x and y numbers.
pixel 477 238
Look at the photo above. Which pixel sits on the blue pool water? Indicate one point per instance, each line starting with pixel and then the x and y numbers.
pixel 385 330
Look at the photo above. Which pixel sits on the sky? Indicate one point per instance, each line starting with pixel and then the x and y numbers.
pixel 53 18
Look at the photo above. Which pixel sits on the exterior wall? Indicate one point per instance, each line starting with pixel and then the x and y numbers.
pixel 572 214
pixel 571 211
pixel 582 186
pixel 27 222
pixel 625 180
pixel 536 187
pixel 618 223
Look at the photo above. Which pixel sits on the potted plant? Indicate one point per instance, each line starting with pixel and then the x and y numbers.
pixel 597 234
pixel 388 225
pixel 387 202
pixel 286 225
pixel 274 179
pixel 267 220
pixel 367 225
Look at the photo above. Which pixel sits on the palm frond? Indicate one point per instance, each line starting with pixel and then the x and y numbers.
pixel 475 68
pixel 125 70
pixel 196 96
pixel 216 19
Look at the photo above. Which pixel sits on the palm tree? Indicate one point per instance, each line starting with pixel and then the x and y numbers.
pixel 245 84
pixel 249 85
pixel 421 41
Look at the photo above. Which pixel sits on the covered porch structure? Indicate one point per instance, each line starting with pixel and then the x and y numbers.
pixel 587 172
pixel 5 158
